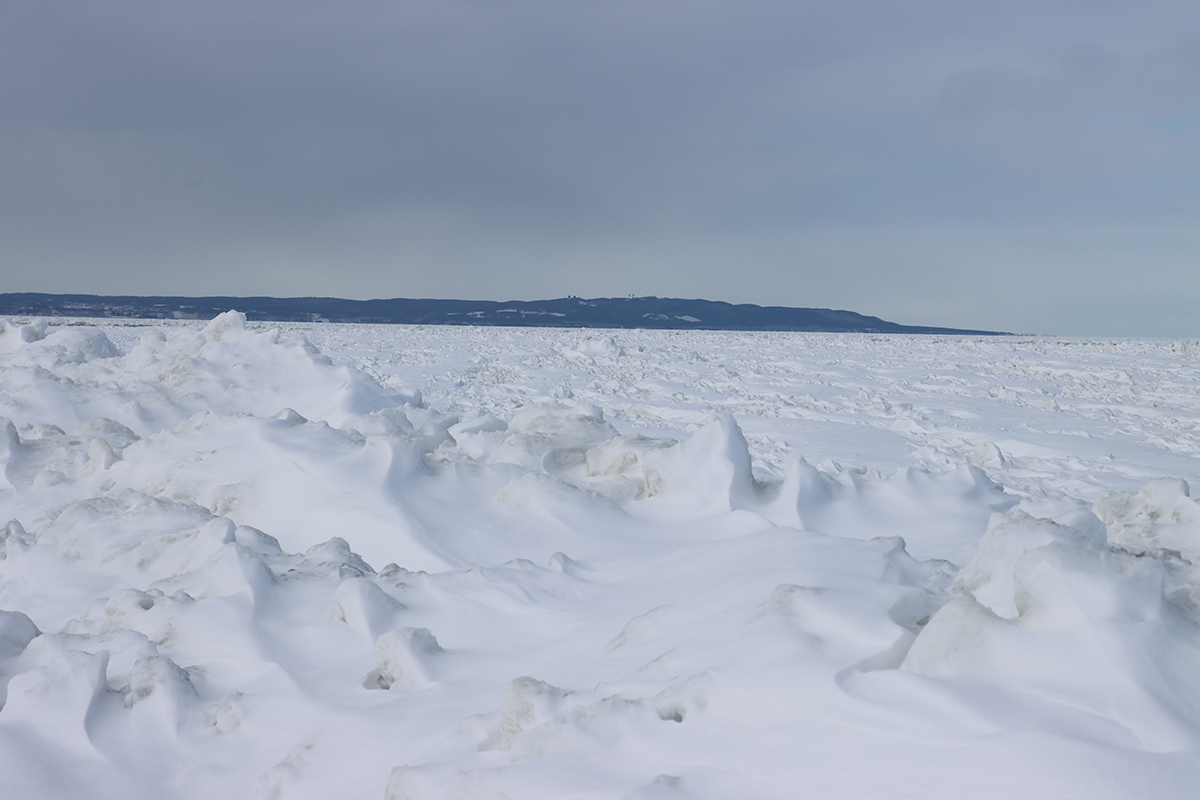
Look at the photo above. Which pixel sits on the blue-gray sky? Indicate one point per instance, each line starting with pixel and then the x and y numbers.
pixel 1024 166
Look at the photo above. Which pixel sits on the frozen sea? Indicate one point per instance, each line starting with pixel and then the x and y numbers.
pixel 252 560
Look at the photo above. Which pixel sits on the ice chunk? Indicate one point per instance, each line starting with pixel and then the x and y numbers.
pixel 164 684
pixel 403 784
pixel 407 660
pixel 621 470
pixel 36 345
pixel 526 703
pixel 367 608
pixel 1093 631
pixel 1161 514
pixel 101 455
pixel 289 416
pixel 577 731
pixel 989 574
pixel 223 325
pixel 592 347
pixel 235 569
pixel 703 476
pixel 479 437
pixel 13 336
pixel 13 538
pixel 254 539
pixel 552 436
pixel 689 696
pixel 960 639
pixel 336 552
pixel 988 454
pixel 487 423
pixel 10 452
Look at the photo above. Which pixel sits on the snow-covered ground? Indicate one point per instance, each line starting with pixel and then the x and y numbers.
pixel 337 561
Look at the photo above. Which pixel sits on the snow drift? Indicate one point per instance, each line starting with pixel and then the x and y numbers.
pixel 237 565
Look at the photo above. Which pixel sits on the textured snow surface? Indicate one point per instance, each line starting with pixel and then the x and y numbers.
pixel 392 562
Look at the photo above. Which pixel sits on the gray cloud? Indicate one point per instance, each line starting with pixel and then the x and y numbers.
pixel 1012 165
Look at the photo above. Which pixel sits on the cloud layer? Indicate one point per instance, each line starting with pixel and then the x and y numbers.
pixel 1016 165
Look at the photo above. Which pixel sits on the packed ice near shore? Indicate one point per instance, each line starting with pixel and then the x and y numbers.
pixel 251 560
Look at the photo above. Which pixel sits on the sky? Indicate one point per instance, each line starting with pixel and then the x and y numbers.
pixel 1023 166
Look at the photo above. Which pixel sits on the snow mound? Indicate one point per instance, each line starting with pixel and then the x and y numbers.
pixel 1051 611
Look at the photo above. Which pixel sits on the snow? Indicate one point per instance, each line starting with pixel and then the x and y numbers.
pixel 319 560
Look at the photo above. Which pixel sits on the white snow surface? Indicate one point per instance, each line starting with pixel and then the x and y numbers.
pixel 405 562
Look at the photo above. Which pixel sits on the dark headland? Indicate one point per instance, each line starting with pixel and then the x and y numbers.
pixel 660 313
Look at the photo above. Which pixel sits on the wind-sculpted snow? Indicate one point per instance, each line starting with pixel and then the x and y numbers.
pixel 320 561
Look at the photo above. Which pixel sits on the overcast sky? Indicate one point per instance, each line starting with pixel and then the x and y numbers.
pixel 1012 165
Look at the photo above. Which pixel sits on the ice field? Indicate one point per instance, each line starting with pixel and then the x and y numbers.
pixel 251 560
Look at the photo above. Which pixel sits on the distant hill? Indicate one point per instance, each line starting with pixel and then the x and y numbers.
pixel 568 312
